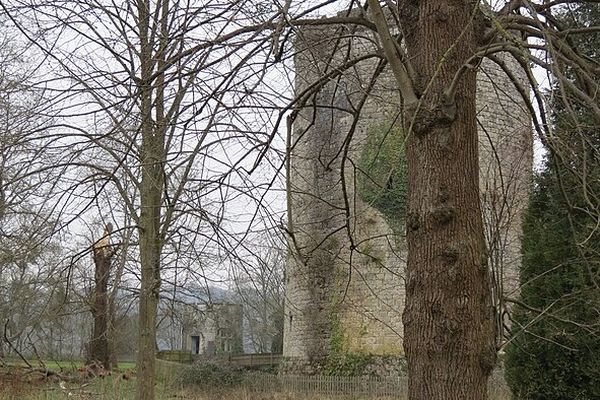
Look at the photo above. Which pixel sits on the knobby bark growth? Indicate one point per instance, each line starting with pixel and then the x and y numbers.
pixel 448 319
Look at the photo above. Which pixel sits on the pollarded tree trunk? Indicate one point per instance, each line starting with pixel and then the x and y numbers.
pixel 100 350
pixel 448 319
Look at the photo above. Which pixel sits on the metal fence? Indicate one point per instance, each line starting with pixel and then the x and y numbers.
pixel 353 387
pixel 254 360
pixel 321 386
pixel 329 385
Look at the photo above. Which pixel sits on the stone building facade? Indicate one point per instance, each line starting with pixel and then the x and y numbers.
pixel 345 273
pixel 214 329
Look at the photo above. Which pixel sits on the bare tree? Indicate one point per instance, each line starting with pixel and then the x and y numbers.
pixel 258 279
pixel 162 124
pixel 26 225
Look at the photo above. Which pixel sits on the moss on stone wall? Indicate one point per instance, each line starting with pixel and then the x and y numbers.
pixel 340 361
pixel 381 180
pixel 348 364
pixel 381 183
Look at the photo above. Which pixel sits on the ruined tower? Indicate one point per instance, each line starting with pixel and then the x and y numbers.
pixel 345 273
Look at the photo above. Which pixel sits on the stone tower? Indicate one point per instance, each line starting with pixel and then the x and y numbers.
pixel 345 272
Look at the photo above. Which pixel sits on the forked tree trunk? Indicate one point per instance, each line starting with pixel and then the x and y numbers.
pixel 448 319
pixel 152 103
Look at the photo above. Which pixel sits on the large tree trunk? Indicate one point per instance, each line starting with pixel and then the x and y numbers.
pixel 448 319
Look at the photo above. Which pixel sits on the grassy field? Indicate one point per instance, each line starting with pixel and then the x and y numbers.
pixel 115 388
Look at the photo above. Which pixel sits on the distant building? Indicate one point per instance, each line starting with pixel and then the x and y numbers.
pixel 214 329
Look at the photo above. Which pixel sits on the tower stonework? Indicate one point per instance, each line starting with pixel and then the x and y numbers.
pixel 345 271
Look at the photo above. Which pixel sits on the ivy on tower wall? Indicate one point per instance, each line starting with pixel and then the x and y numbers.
pixel 381 177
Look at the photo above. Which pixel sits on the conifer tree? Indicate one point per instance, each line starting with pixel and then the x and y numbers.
pixel 555 349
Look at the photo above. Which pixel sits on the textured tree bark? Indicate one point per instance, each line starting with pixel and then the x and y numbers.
pixel 448 319
pixel 150 249
pixel 150 285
